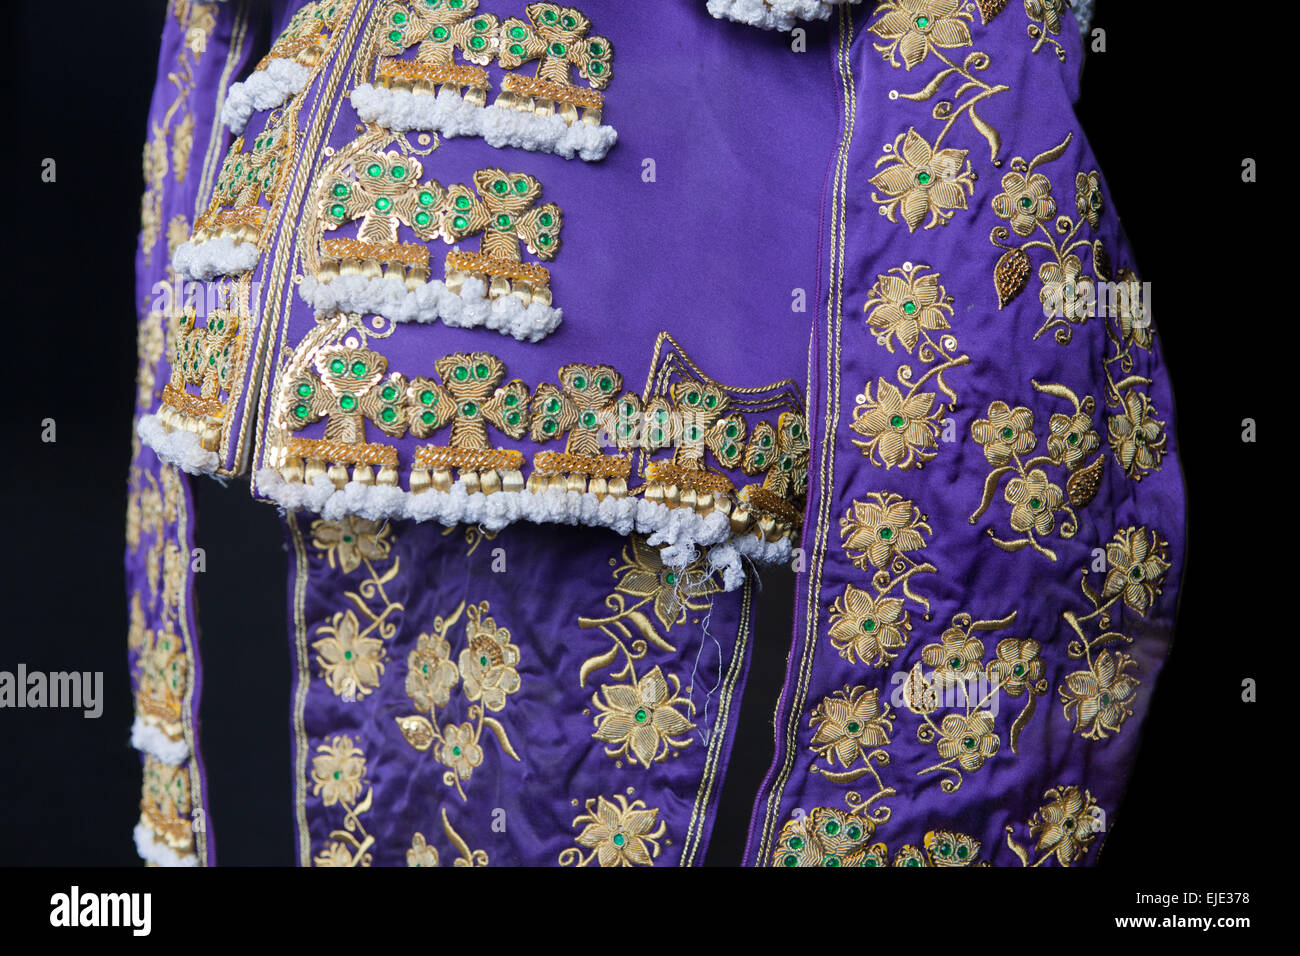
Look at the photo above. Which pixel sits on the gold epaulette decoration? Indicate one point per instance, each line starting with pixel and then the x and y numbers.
pixel 349 387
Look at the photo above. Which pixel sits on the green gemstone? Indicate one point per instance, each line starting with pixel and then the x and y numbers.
pixel 427 418
pixel 482 661
pixel 945 850
pixel 832 828
pixel 969 743
pixel 1136 572
pixel 337 366
pixel 544 239
pixel 923 178
pixel 796 843
pixel 338 211
pixel 854 727
pixel 500 187
pixel 347 403
pixel 886 534
pixel 399 172
pixel 759 459
pixel 641 716
pixel 1008 434
pixel 460 222
pixel 469 409
pixel 922 22
pixel 421 218
pixel 1026 202
pixel 440 33
pixel 305 390
pixel 1035 504
pixel 1018 670
pixel 832 861
pixel 605 383
pixel 897 421
pixel 588 419
pixel 569 22
pixel 549 426
pixel 1072 438
pixel 461 373
pixel 909 307
pixel 579 382
pixel 480 25
pixel 963 852
pixel 619 839
pixel 557 49
pixel 399 18
pixel 358 369
pixel 516 49
pixel 477 43
pixel 596 49
pixel 301 411
pixel 670 578
pixel 552 406
pixel 869 625
pixel 388 415
pixel 455 751
pixel 383 204
pixel 341 190
pixel 374 170
pixel 546 219
pixel 462 202
pixel 518 32
pixel 427 398
pixel 854 832
pixel 549 16
pixel 732 431
pixel 503 222
pixel 512 418
pixel 482 371
pixel 521 186
pixel 389 393
pixel 1105 700
pixel 955 663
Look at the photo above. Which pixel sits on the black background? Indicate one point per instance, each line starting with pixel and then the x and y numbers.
pixel 1170 109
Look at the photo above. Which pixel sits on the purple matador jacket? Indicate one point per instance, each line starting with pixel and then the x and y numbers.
pixel 548 327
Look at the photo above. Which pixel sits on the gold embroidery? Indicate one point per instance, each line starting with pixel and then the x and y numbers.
pixel 617 832
pixel 919 179
pixel 905 306
pixel 338 777
pixel 879 532
pixel 1065 827
pixel 965 740
pixel 351 657
pixel 1006 435
pixel 487 672
pixel 834 838
pixel 1100 699
pixel 308 34
pixel 559 38
pixel 848 726
pixel 165 804
pixel 439 30
pixel 641 717
pixel 1045 23
pixel 422 854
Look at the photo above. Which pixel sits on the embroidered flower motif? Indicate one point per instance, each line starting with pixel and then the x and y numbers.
pixel 138 635
pixel 620 834
pixel 849 724
pixel 1137 568
pixel 132 522
pixel 1136 437
pixel 350 663
pixel 642 719
pixel 420 853
pixel 902 308
pixel 1134 324
pixel 870 628
pixel 919 180
pixel 338 771
pixel 1048 12
pixel 488 665
pixel 173 578
pixel 430 674
pixel 1100 699
pixel 336 854
pixel 1033 501
pixel 1006 432
pixel 1018 666
pixel 1065 825
pixel 1072 439
pixel 1066 292
pixel 912 27
pixel 956 658
pixel 901 430
pixel 459 749
pixel 1088 200
pixel 1025 201
pixel 350 540
pixel 970 740
pixel 881 528
pixel 674 590
pixel 151 511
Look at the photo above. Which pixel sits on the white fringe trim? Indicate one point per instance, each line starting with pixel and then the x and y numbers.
pixel 263 90
pixel 449 114
pixel 774 14
pixel 470 308
pixel 147 737
pixel 214 257
pixel 680 532
pixel 176 447
pixel 152 850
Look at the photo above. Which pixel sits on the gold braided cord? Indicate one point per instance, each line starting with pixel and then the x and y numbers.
pixel 343 453
pixel 471 459
pixel 409 253
pixel 492 265
pixel 542 89
pixel 668 473
pixel 600 466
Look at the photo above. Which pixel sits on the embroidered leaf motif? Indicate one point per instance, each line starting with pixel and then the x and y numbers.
pixel 1010 275
pixel 919 696
pixel 417 730
pixel 1054 153
pixel 1083 485
pixel 1022 719
pixel 599 662
pixel 494 725
pixel 992 135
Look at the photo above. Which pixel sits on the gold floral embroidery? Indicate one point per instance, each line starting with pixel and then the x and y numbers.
pixel 560 39
pixel 165 804
pixel 338 777
pixel 920 179
pixel 1099 700
pixel 643 717
pixel 487 671
pixel 920 29
pixel 1065 827
pixel 422 853
pixel 617 833
pixel 879 533
pixel 1007 435
pixel 960 677
pixel 1045 24
pixel 851 725
pixel 904 307
pixel 352 655
pixel 834 838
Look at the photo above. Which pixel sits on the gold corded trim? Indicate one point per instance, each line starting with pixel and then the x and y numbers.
pixel 601 466
pixel 470 459
pixel 542 89
pixel 408 253
pixel 761 500
pixel 406 72
pixel 342 453
pixel 494 266
pixel 191 405
pixel 668 473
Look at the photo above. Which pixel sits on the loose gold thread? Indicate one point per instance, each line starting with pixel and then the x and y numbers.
pixel 714 755
pixel 306 175
pixel 834 306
